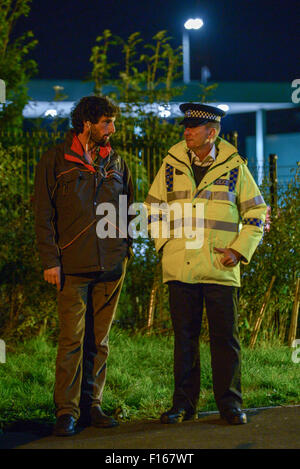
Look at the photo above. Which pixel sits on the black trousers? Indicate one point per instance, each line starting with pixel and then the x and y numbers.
pixel 186 307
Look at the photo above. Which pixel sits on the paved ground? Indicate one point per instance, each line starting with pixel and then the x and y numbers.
pixel 268 428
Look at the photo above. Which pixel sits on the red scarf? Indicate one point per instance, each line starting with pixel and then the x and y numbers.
pixel 104 151
pixel 77 150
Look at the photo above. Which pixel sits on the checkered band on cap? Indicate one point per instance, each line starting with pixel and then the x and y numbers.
pixel 202 115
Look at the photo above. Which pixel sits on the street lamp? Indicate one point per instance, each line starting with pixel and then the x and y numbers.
pixel 195 23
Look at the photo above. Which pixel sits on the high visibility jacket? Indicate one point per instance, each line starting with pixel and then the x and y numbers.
pixel 226 210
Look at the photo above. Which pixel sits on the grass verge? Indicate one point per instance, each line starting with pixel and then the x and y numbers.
pixel 140 378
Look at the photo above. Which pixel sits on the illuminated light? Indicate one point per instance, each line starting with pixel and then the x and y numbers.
pixel 164 111
pixel 193 23
pixel 51 113
pixel 224 107
pixel 138 130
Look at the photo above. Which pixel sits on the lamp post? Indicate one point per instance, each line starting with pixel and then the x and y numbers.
pixel 196 23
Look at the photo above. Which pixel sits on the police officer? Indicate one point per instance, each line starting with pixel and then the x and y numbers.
pixel 206 173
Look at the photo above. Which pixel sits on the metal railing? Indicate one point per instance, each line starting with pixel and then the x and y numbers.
pixel 143 158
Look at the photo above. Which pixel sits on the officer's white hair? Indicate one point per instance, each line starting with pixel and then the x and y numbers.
pixel 214 125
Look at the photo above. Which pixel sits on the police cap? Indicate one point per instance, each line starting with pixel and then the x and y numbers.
pixel 200 114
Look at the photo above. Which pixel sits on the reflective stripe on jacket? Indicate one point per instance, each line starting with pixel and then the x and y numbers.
pixel 226 207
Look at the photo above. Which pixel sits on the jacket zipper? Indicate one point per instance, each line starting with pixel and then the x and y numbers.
pixel 95 209
pixel 211 169
pixel 96 188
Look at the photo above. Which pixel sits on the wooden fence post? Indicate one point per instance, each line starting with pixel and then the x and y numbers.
pixel 294 318
pixel 261 313
pixel 153 297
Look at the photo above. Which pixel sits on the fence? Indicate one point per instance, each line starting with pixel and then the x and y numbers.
pixel 143 157
pixel 146 300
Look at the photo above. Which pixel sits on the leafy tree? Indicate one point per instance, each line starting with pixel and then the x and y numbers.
pixel 27 304
pixel 148 75
pixel 15 67
pixel 101 73
pixel 277 255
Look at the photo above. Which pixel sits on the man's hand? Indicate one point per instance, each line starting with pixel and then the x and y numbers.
pixel 53 276
pixel 231 257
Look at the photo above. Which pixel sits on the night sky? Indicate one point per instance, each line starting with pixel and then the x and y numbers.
pixel 241 40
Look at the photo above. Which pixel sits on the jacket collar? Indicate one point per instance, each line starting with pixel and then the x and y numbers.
pixel 224 150
pixel 226 160
pixel 74 151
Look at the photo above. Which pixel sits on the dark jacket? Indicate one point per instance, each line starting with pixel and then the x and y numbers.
pixel 67 193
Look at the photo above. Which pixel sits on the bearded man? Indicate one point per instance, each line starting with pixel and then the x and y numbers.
pixel 72 180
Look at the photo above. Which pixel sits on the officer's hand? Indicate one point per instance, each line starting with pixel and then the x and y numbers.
pixel 53 276
pixel 231 258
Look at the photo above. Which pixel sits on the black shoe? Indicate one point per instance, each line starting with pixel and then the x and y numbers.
pixel 65 425
pixel 100 420
pixel 234 416
pixel 176 415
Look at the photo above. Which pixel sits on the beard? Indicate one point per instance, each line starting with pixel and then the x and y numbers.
pixel 99 141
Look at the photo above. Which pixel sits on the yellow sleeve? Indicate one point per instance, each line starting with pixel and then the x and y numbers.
pixel 252 208
pixel 155 205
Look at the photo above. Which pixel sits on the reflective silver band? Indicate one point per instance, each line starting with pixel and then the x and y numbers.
pixel 218 195
pixel 178 195
pixel 151 199
pixel 209 224
pixel 221 225
pixel 258 200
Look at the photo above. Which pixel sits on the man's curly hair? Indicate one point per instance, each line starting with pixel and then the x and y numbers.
pixel 91 108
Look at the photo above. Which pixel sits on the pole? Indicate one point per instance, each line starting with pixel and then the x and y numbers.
pixel 273 180
pixel 260 143
pixel 186 56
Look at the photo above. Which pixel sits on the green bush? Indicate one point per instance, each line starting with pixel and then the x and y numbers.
pixel 277 255
pixel 26 303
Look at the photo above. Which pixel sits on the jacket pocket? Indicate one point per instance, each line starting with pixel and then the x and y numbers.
pixel 113 185
pixel 70 187
pixel 221 210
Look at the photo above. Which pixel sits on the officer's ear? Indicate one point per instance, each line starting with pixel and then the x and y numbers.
pixel 212 134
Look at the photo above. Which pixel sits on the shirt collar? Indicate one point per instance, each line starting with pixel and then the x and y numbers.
pixel 208 160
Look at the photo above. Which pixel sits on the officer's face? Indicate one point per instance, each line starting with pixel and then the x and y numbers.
pixel 197 137
pixel 101 131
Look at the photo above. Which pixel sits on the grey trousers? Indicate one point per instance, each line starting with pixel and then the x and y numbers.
pixel 86 307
